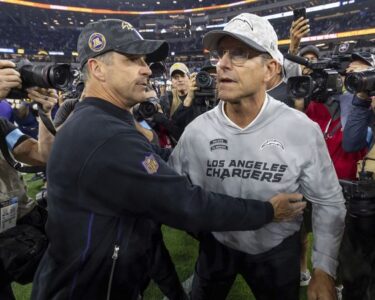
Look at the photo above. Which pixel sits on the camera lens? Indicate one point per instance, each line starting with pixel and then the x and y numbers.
pixel 204 80
pixel 60 76
pixel 360 81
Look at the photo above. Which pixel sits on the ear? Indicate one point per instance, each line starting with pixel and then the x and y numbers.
pixel 272 69
pixel 96 69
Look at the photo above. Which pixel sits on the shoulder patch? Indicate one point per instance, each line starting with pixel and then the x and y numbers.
pixel 150 164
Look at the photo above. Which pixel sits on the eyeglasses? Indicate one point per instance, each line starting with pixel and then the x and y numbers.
pixel 238 56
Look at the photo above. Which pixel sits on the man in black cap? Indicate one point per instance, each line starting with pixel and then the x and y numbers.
pixel 109 188
pixel 311 53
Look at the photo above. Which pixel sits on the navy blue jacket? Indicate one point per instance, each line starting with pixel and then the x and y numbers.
pixel 108 189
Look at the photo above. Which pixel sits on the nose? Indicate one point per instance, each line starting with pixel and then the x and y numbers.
pixel 145 69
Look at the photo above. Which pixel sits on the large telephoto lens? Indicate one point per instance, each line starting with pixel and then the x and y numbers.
pixel 56 76
pixel 360 81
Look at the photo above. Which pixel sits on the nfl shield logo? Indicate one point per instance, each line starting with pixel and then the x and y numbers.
pixel 150 164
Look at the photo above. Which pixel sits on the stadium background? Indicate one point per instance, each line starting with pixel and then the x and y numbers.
pixel 47 31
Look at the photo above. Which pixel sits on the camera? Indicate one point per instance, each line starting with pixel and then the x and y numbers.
pixel 323 82
pixel 56 76
pixel 205 81
pixel 361 82
pixel 158 77
pixel 205 96
pixel 146 109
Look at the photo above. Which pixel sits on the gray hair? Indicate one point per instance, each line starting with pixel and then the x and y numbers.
pixel 105 58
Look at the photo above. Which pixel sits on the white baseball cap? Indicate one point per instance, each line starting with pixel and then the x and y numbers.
pixel 256 32
pixel 179 67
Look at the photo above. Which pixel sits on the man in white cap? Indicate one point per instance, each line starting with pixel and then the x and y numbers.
pixel 245 147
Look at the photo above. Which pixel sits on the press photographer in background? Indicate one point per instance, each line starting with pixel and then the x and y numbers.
pixel 357 253
pixel 13 199
pixel 201 96
pixel 323 88
pixel 168 113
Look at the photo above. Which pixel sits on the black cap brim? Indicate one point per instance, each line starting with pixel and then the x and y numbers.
pixel 212 39
pixel 153 50
pixel 362 58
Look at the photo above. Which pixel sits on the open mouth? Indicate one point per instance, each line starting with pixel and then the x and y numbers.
pixel 226 80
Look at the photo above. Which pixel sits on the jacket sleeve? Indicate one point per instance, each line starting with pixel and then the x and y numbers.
pixel 319 184
pixel 134 179
pixel 356 127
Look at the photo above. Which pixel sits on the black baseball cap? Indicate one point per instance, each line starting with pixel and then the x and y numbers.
pixel 117 35
pixel 366 57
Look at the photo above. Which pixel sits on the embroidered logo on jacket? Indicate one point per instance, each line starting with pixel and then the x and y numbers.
pixel 150 164
pixel 219 144
pixel 272 142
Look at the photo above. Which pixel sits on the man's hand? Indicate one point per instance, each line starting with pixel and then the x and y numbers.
pixel 45 97
pixel 287 206
pixel 189 100
pixel 9 78
pixel 321 287
pixel 298 30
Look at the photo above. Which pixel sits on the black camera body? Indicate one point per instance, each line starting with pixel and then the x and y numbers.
pixel 146 109
pixel 205 96
pixel 361 82
pixel 56 76
pixel 323 82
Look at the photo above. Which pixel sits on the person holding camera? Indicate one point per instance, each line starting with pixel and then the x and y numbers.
pixel 13 198
pixel 247 150
pixel 109 188
pixel 361 117
pixel 330 113
pixel 357 252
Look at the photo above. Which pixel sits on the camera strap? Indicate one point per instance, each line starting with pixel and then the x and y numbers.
pixel 46 121
pixel 367 164
pixel 15 164
pixel 331 133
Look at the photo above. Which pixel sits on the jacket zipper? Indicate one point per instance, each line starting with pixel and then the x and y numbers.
pixel 114 258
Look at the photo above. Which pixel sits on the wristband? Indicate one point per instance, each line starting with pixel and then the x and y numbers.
pixel 13 137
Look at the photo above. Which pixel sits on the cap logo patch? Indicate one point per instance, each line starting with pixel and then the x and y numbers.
pixel 247 22
pixel 150 164
pixel 343 47
pixel 127 26
pixel 97 42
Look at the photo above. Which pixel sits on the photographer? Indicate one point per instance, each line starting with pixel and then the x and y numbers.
pixel 201 97
pixel 357 252
pixel 361 117
pixel 327 111
pixel 29 151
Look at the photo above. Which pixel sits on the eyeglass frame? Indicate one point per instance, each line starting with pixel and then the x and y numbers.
pixel 215 61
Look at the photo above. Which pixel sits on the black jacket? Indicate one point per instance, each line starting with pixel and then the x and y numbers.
pixel 107 188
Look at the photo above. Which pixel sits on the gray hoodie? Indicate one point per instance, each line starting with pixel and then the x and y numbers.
pixel 281 151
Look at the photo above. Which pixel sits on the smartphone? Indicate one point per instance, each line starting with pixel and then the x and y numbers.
pixel 299 12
